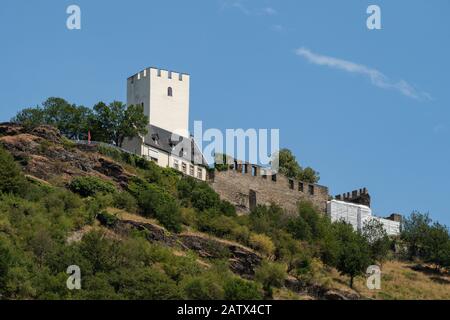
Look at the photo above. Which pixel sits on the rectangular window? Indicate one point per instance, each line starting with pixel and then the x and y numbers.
pixel 180 77
pixel 311 190
pixel 170 74
pixel 176 165
pixel 291 184
pixel 132 80
pixel 191 170
pixel 300 186
pixel 159 73
pixel 184 168
pixel 199 173
pixel 154 160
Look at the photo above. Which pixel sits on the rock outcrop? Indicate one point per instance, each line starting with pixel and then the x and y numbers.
pixel 242 260
pixel 45 154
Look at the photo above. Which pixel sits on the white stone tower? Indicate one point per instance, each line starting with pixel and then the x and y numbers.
pixel 165 97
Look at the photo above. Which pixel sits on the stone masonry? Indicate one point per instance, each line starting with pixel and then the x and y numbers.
pixel 245 186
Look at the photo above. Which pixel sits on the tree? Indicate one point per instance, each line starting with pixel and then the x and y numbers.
pixel 288 164
pixel 377 238
pixel 115 122
pixel 29 117
pixel 354 255
pixel 414 232
pixel 270 275
pixel 437 245
pixel 11 177
pixel 70 119
pixel 292 169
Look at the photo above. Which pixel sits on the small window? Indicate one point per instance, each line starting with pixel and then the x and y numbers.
pixel 170 92
pixel 300 186
pixel 311 190
pixel 170 74
pixel 184 168
pixel 191 170
pixel 132 80
pixel 199 173
pixel 274 178
pixel 176 165
pixel 159 73
pixel 154 160
pixel 291 184
pixel 180 77
pixel 254 171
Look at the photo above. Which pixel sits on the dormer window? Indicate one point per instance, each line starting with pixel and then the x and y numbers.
pixel 170 92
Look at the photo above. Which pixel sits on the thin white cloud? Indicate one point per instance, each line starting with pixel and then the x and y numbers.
pixel 239 5
pixel 376 77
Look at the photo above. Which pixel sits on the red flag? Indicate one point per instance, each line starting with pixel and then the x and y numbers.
pixel 89 137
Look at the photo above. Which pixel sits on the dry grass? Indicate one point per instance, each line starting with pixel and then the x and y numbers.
pixel 400 281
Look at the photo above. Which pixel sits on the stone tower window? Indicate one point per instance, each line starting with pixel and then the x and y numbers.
pixel 180 77
pixel 170 92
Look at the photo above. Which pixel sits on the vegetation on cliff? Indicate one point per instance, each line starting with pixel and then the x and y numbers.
pixel 206 250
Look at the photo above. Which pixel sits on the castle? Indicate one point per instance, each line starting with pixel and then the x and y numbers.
pixel 164 96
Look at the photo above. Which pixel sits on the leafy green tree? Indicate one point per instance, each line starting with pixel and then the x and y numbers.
pixel 115 122
pixel 292 169
pixel 378 240
pixel 157 203
pixel 437 245
pixel 415 230
pixel 270 275
pixel 30 118
pixel 5 265
pixel 11 177
pixel 89 186
pixel 354 254
pixel 288 164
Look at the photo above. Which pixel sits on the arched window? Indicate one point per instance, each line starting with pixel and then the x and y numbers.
pixel 170 92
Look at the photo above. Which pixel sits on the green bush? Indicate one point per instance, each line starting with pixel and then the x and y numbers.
pixel 89 186
pixel 107 219
pixel 157 203
pixel 202 288
pixel 11 177
pixel 124 200
pixel 240 289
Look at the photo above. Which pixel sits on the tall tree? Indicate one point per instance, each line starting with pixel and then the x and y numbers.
pixel 115 122
pixel 290 167
pixel 353 257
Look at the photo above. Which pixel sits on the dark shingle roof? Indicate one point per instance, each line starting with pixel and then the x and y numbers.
pixel 171 143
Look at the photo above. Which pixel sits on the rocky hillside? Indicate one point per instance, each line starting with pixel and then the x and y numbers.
pixel 45 154
pixel 126 221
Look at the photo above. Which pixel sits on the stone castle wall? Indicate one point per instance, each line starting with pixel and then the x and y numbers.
pixel 244 186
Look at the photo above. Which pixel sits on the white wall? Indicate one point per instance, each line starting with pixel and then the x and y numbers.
pixel 357 215
pixel 169 113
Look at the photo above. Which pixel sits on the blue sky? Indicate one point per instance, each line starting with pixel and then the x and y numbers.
pixel 364 108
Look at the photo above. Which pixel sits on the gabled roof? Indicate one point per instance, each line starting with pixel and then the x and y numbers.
pixel 179 146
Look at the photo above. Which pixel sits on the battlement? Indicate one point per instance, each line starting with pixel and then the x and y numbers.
pixel 160 73
pixel 247 185
pixel 360 196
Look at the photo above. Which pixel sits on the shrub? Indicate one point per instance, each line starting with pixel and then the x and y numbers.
pixel 89 186
pixel 240 289
pixel 217 225
pixel 270 275
pixel 157 203
pixel 107 219
pixel 124 200
pixel 11 177
pixel 263 244
pixel 201 288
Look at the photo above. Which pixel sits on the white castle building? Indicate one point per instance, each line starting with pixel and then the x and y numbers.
pixel 357 215
pixel 164 96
